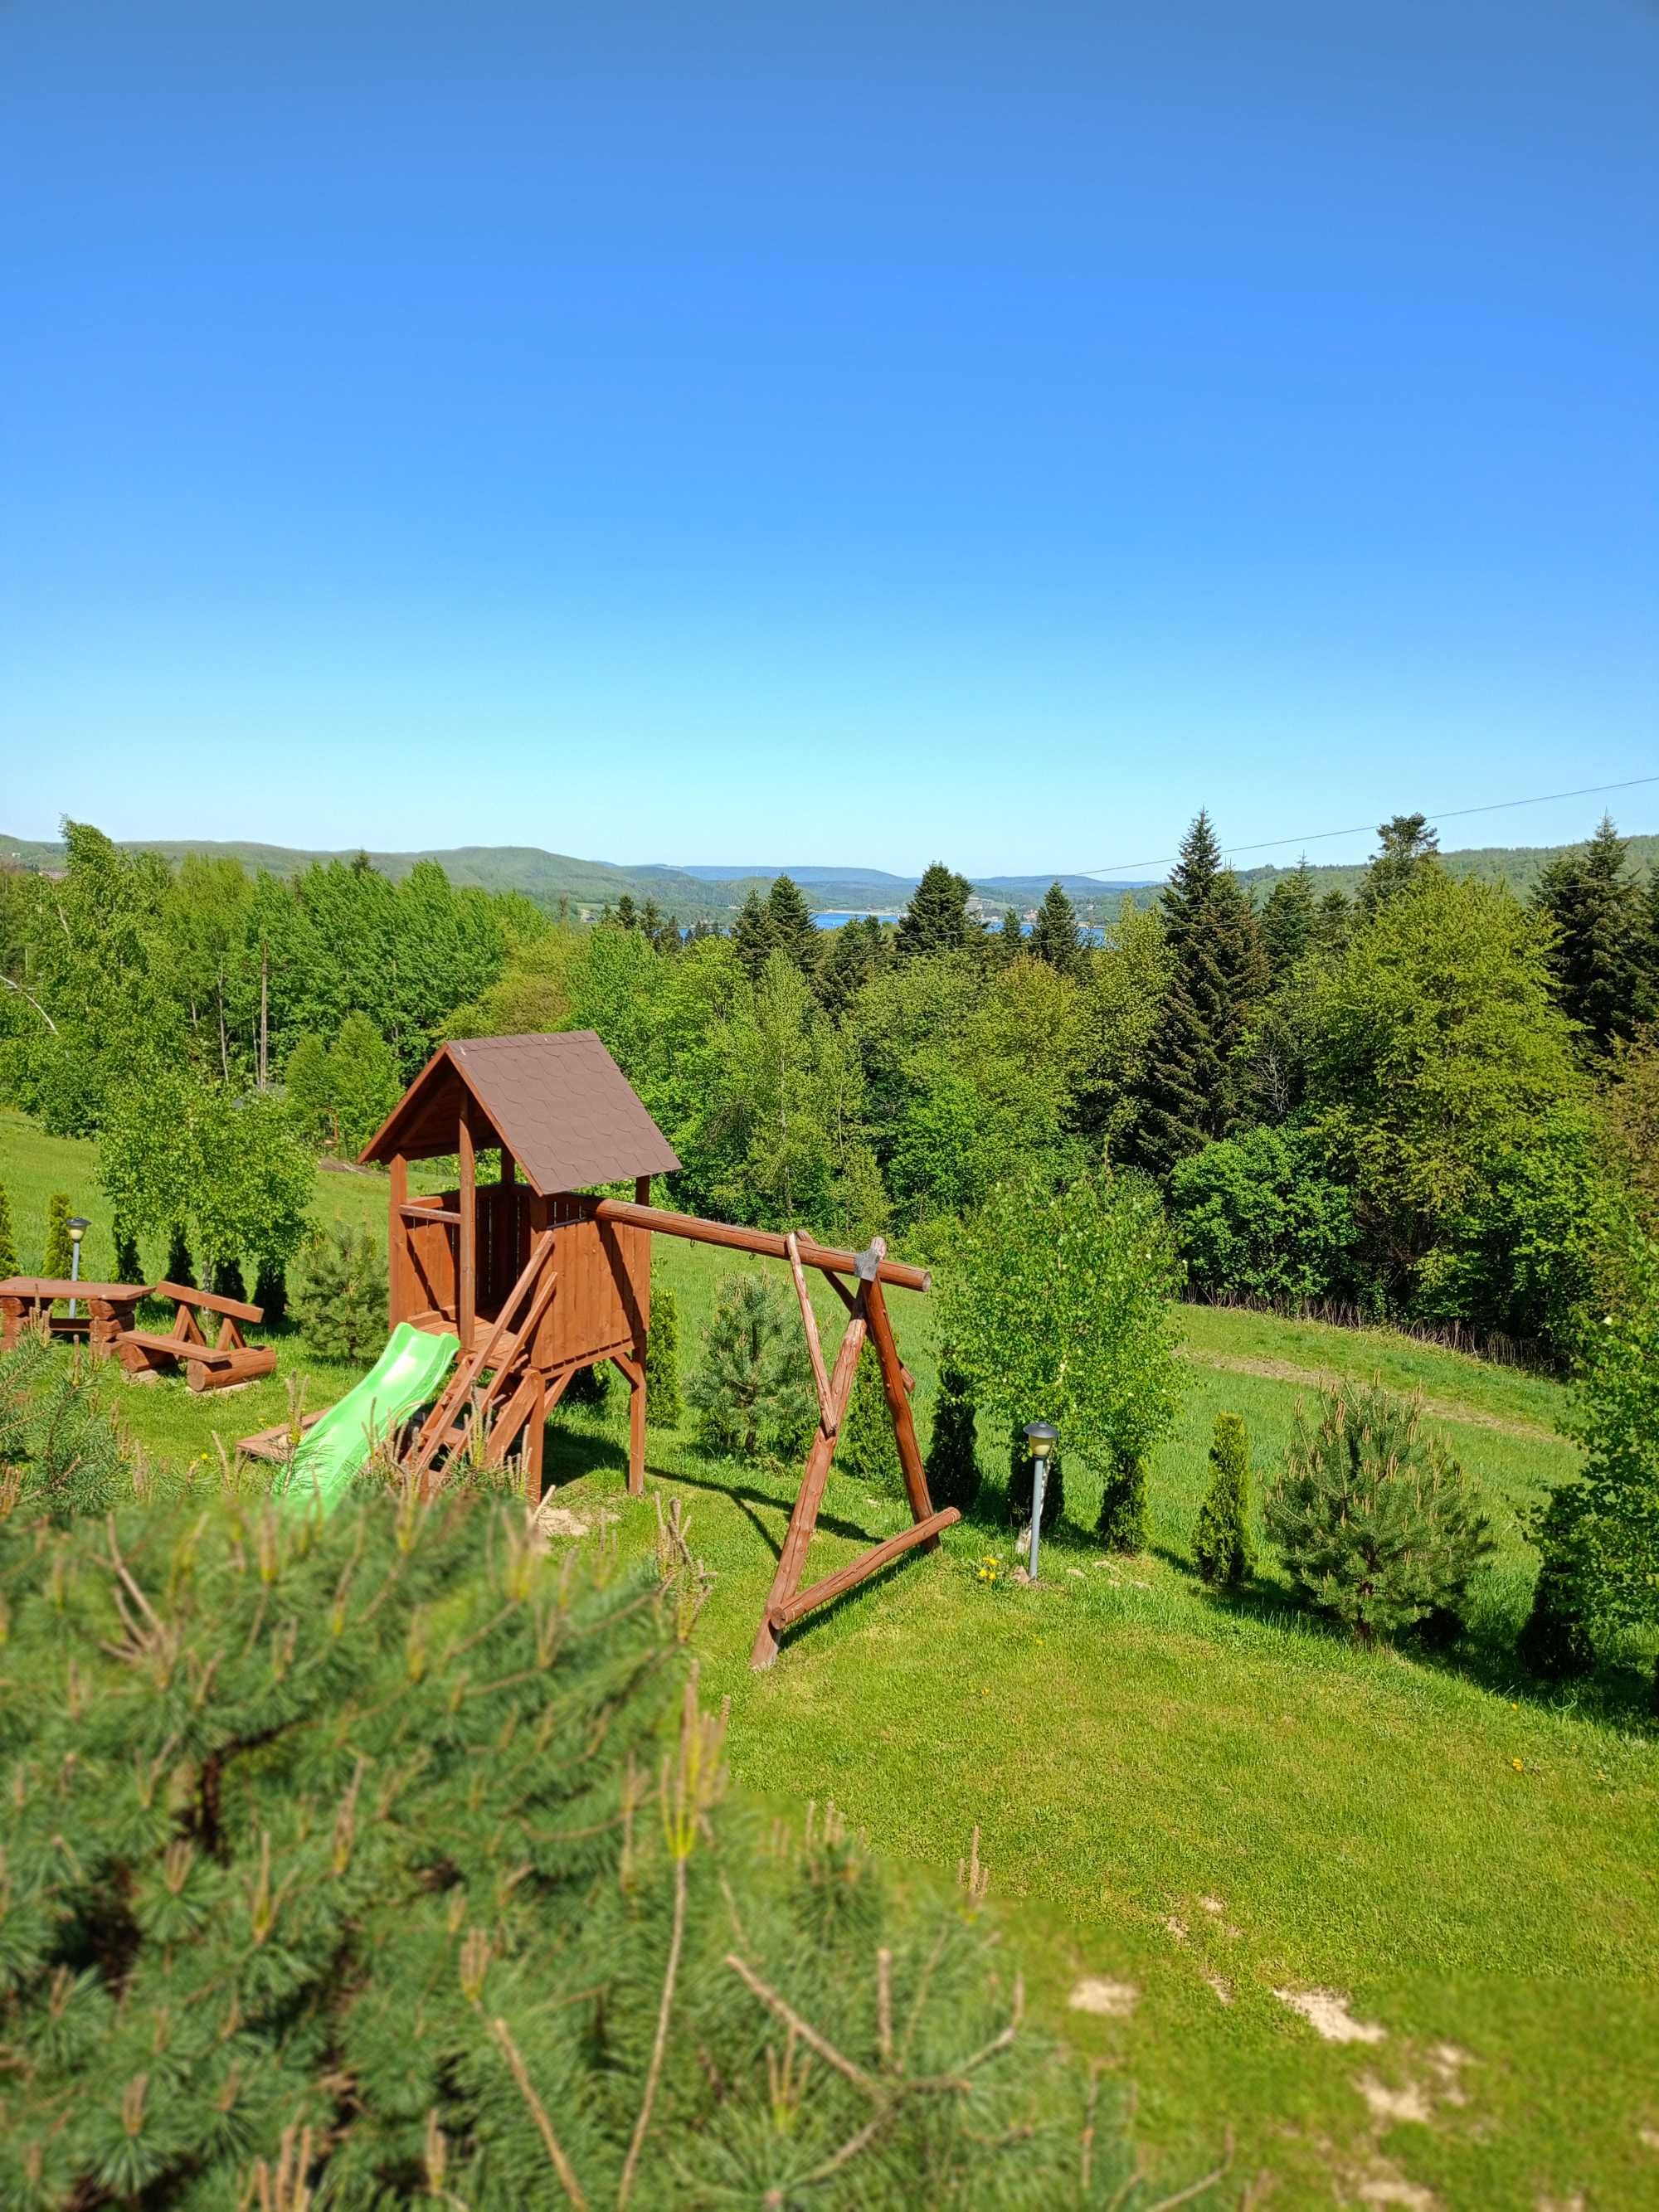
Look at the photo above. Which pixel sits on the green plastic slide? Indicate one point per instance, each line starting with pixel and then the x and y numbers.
pixel 409 1372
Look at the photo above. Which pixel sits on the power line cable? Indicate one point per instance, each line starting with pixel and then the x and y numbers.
pixel 1363 829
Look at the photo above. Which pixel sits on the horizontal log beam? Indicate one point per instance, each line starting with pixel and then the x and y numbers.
pixel 762 1242
pixel 849 1577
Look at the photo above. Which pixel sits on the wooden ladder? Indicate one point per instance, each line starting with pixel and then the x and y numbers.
pixel 461 1409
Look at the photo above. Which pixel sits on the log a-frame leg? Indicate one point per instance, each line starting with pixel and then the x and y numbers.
pixel 867 1322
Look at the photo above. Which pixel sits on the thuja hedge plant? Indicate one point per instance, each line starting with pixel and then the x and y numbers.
pixel 384 1860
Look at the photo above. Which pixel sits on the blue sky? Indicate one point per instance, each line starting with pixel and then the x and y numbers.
pixel 826 434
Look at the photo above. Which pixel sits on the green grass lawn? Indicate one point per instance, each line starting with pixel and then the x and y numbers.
pixel 1202 1802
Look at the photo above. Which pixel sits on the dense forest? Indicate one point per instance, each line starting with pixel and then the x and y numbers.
pixel 1431 1102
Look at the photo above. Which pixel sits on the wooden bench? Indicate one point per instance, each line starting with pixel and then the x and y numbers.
pixel 217 1366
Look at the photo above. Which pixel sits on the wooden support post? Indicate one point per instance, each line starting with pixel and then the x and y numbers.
pixel 466 1286
pixel 899 1405
pixel 637 1404
pixel 397 1243
pixel 815 1350
pixel 802 1521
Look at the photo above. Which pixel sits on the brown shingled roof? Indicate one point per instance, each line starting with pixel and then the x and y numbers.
pixel 560 1104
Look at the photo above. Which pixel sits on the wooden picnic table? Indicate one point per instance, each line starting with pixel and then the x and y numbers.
pixel 108 1315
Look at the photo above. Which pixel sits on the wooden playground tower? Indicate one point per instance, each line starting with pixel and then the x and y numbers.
pixel 538 1281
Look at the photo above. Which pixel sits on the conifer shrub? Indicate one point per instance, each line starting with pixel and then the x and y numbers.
pixel 867 1448
pixel 62 1452
pixel 181 1268
pixel 58 1258
pixel 665 1407
pixel 1121 1525
pixel 1019 1483
pixel 1223 1550
pixel 129 1264
pixel 378 1859
pixel 228 1281
pixel 952 1461
pixel 1379 1525
pixel 588 1386
pixel 340 1295
pixel 751 1391
pixel 7 1240
pixel 270 1293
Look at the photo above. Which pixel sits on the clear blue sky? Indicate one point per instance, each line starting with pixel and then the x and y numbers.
pixel 826 433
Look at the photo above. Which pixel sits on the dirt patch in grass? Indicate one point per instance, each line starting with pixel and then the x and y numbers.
pixel 1111 1999
pixel 1323 1378
pixel 1326 2012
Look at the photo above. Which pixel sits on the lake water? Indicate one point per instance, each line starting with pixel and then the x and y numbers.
pixel 839 921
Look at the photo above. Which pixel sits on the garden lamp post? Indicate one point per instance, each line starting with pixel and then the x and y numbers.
pixel 78 1226
pixel 1042 1437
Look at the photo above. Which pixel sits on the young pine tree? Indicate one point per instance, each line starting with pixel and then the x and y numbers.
pixel 589 1386
pixel 339 1294
pixel 750 1391
pixel 866 1449
pixel 59 1254
pixel 1010 938
pixel 952 1461
pixel 1222 1548
pixel 1379 1525
pixel 8 1242
pixel 1053 936
pixel 181 1268
pixel 1121 1526
pixel 665 1407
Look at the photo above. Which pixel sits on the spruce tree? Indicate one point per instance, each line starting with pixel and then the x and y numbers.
pixel 866 1449
pixel 751 937
pixel 1597 911
pixel 1010 938
pixel 8 1242
pixel 1407 846
pixel 1189 1092
pixel 1332 922
pixel 128 1264
pixel 228 1282
pixel 339 1294
pixel 628 915
pixel 59 1253
pixel 180 1268
pixel 1288 922
pixel 1121 1526
pixel 1557 1640
pixel 1222 1551
pixel 591 1386
pixel 664 1407
pixel 789 919
pixel 852 957
pixel 1053 936
pixel 936 920
pixel 952 1461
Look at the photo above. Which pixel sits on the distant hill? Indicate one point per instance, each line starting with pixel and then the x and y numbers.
pixel 705 891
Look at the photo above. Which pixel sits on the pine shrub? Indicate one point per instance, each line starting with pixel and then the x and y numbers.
pixel 8 1265
pixel 952 1461
pixel 1379 1525
pixel 373 1860
pixel 339 1294
pixel 181 1268
pixel 59 1256
pixel 665 1407
pixel 1222 1551
pixel 1121 1526
pixel 867 1448
pixel 129 1264
pixel 1020 1484
pixel 751 1391
pixel 270 1293
pixel 62 1452
pixel 588 1386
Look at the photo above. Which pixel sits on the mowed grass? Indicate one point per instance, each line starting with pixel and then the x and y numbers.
pixel 1205 1803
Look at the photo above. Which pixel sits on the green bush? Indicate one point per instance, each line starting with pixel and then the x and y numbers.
pixel 227 1280
pixel 1255 1218
pixel 339 1294
pixel 61 1453
pixel 129 1264
pixel 867 1448
pixel 1121 1526
pixel 8 1243
pixel 952 1461
pixel 270 1293
pixel 750 1392
pixel 374 1860
pixel 59 1254
pixel 1379 1526
pixel 1222 1551
pixel 664 1408
pixel 588 1386
pixel 181 1268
